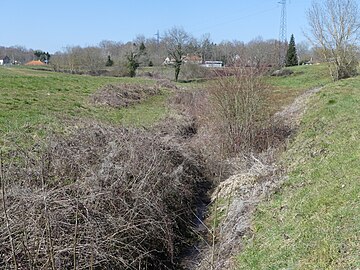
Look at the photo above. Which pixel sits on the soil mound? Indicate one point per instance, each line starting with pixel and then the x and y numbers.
pixel 35 63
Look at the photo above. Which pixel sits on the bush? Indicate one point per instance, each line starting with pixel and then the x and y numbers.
pixel 229 117
pixel 122 95
pixel 102 198
pixel 190 71
pixel 237 110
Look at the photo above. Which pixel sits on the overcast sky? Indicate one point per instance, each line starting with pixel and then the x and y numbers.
pixel 50 25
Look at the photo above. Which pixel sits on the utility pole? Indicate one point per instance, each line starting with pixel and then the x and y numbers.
pixel 158 44
pixel 282 33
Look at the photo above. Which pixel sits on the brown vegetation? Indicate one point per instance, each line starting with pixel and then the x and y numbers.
pixel 236 135
pixel 114 198
pixel 123 95
pixel 102 198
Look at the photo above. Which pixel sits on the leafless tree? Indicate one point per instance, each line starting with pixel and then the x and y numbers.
pixel 304 51
pixel 177 42
pixel 335 28
pixel 261 52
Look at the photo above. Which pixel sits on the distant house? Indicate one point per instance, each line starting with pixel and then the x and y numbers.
pixel 4 60
pixel 169 61
pixel 213 64
pixel 190 58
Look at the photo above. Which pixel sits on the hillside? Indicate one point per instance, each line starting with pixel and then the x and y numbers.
pixel 33 101
pixel 312 220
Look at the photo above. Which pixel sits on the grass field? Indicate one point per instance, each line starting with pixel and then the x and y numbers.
pixel 313 222
pixel 34 100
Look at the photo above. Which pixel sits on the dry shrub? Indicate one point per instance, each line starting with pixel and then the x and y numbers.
pixel 102 198
pixel 231 117
pixel 123 95
pixel 195 106
pixel 190 71
pixel 237 108
pixel 271 136
pixel 165 83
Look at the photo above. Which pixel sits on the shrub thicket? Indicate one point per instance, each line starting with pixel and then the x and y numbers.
pixel 102 198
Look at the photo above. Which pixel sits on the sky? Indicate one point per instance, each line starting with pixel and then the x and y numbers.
pixel 51 25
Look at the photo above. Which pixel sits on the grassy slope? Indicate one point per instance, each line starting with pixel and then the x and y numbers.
pixel 31 100
pixel 314 221
pixel 283 90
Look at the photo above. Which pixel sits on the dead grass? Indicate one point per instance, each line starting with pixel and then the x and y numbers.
pixel 122 95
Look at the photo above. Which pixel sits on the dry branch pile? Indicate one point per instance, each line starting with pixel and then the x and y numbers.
pixel 102 198
pixel 123 95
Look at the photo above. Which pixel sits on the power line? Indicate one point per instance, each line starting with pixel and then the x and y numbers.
pixel 225 22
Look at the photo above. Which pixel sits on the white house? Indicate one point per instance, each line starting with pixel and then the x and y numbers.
pixel 213 64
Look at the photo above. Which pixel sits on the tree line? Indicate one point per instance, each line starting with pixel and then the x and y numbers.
pixel 333 37
pixel 175 44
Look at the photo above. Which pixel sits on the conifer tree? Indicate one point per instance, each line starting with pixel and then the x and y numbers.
pixel 291 55
pixel 109 62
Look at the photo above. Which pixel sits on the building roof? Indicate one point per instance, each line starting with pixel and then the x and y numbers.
pixel 35 63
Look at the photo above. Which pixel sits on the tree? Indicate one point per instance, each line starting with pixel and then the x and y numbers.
pixel 142 48
pixel 261 53
pixel 206 48
pixel 291 55
pixel 38 53
pixel 42 56
pixel 133 63
pixel 177 43
pixel 109 62
pixel 304 52
pixel 334 27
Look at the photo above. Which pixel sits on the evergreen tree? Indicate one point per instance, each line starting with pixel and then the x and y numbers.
pixel 142 48
pixel 132 64
pixel 109 62
pixel 291 55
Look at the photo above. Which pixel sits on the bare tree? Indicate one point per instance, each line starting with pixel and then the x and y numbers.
pixel 304 52
pixel 177 43
pixel 206 47
pixel 334 27
pixel 261 52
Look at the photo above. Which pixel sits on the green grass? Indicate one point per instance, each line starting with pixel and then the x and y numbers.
pixel 283 90
pixel 33 101
pixel 314 221
pixel 303 78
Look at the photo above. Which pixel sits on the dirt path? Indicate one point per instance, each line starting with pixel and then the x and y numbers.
pixel 243 191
